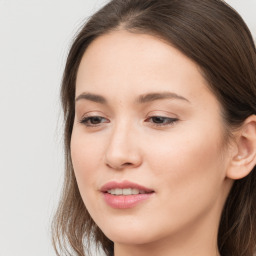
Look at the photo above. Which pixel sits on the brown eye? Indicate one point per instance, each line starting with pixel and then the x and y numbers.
pixel 161 120
pixel 93 120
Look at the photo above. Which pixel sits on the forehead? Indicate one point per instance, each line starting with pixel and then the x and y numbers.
pixel 137 63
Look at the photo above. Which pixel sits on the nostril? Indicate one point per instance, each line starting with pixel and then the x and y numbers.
pixel 120 167
pixel 114 167
pixel 125 164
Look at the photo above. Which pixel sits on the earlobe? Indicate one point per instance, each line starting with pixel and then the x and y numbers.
pixel 244 158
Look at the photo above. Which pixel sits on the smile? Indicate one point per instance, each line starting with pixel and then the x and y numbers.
pixel 125 194
pixel 126 191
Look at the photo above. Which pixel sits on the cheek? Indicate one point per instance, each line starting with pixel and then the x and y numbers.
pixel 188 166
pixel 86 155
pixel 87 150
pixel 182 151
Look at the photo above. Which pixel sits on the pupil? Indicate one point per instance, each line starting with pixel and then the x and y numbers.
pixel 95 120
pixel 158 119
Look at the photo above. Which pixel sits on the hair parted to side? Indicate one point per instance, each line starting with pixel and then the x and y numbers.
pixel 214 36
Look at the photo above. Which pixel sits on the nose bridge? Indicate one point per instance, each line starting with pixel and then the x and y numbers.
pixel 122 149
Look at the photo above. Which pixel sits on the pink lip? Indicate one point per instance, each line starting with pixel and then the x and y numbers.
pixel 124 184
pixel 121 201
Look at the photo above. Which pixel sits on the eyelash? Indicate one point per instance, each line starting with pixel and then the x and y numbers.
pixel 166 121
pixel 87 121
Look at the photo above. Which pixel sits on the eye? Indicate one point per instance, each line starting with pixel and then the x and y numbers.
pixel 91 121
pixel 161 120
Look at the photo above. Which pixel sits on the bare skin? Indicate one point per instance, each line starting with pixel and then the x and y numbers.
pixel 144 114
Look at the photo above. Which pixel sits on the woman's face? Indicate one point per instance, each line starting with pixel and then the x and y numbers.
pixel 147 123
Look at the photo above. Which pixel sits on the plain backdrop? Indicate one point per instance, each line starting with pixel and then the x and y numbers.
pixel 35 36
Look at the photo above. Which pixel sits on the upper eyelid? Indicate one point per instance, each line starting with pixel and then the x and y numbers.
pixel 148 115
pixel 93 114
pixel 159 112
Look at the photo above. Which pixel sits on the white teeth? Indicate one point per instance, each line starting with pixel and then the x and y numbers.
pixel 118 191
pixel 112 191
pixel 135 191
pixel 125 191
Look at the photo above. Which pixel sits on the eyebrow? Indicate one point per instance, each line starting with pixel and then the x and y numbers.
pixel 159 96
pixel 144 98
pixel 92 97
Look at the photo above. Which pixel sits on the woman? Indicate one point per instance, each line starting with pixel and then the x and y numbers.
pixel 159 98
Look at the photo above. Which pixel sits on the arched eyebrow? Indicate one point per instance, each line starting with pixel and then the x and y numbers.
pixel 92 97
pixel 144 98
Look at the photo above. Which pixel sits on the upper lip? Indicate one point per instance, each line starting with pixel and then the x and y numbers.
pixel 124 184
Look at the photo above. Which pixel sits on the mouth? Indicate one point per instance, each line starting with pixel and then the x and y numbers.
pixel 125 194
pixel 126 191
pixel 125 188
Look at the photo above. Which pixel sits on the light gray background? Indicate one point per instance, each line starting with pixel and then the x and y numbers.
pixel 34 38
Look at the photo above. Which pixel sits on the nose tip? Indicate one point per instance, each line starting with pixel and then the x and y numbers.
pixel 122 160
pixel 122 152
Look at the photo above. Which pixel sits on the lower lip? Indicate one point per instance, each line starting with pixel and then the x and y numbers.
pixel 125 202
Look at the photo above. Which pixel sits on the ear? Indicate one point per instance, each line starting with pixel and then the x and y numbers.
pixel 243 158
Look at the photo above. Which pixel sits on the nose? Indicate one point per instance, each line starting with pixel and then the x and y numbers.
pixel 123 149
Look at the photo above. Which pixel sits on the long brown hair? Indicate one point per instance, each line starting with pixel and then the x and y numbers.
pixel 213 35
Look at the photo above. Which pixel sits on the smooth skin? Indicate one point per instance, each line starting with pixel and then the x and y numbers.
pixel 144 113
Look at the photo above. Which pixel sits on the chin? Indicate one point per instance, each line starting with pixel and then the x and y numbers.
pixel 130 234
pixel 128 238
